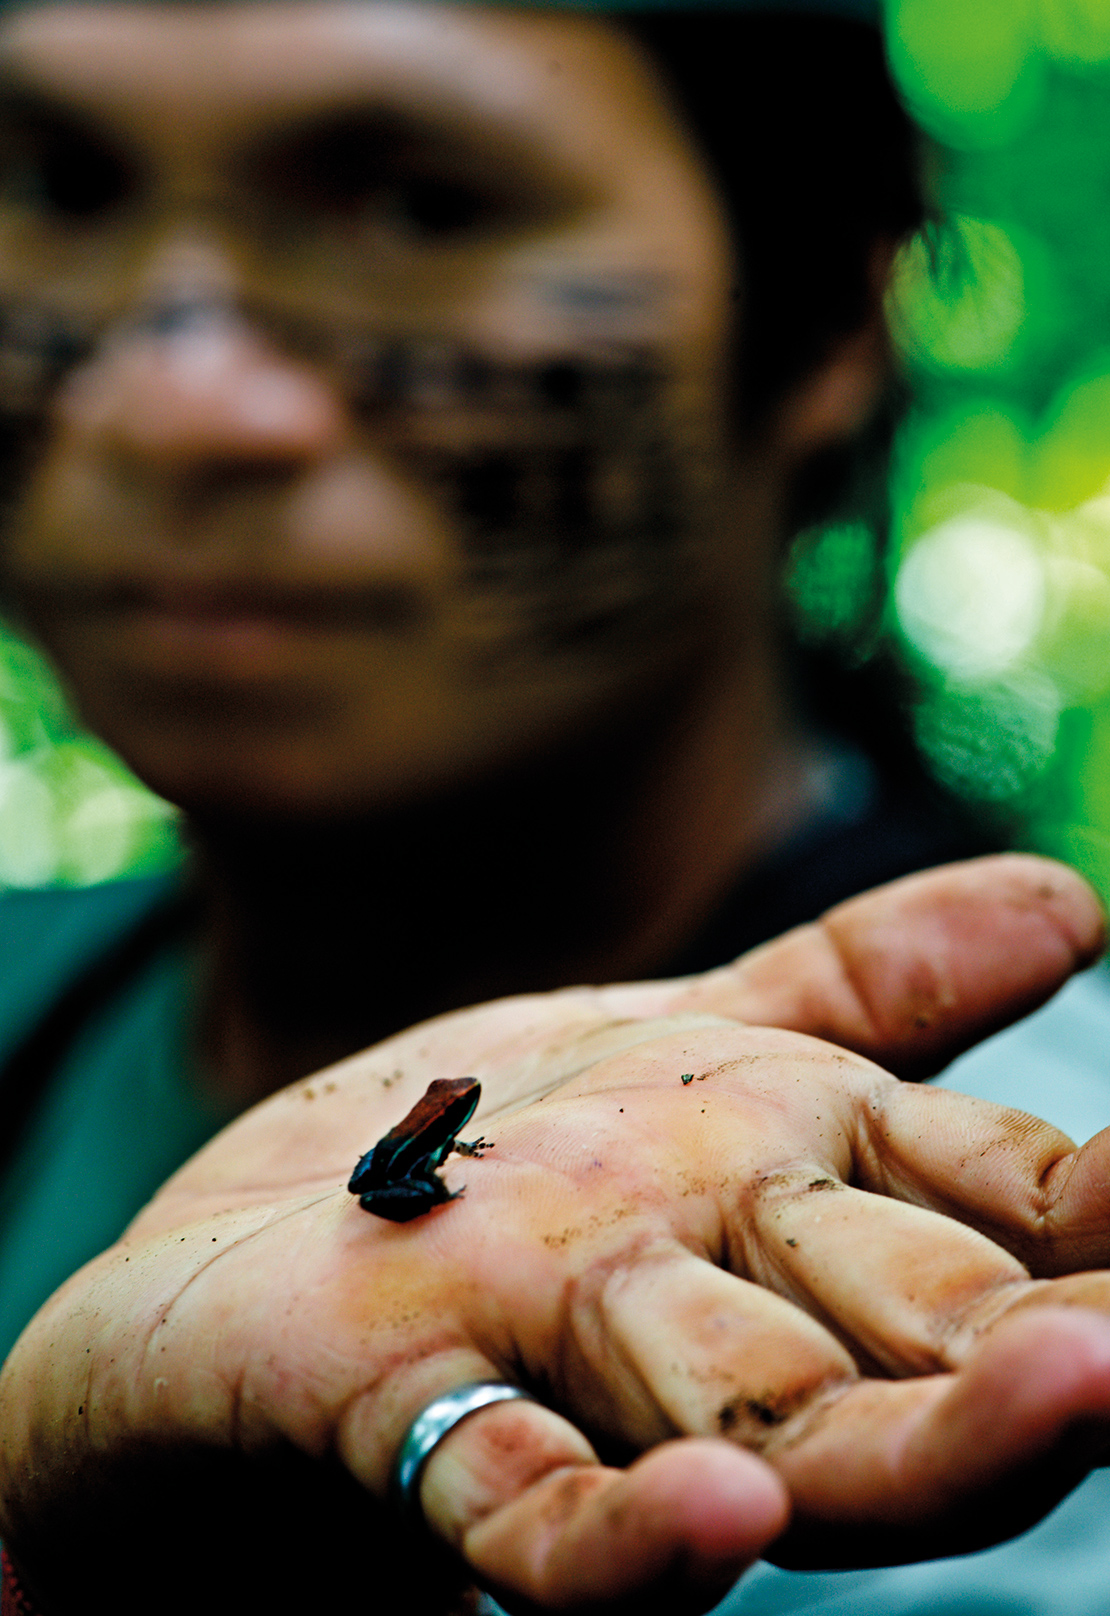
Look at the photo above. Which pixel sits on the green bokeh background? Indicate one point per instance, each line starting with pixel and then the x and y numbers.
pixel 997 565
pixel 998 562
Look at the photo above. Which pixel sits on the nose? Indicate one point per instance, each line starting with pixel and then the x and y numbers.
pixel 190 389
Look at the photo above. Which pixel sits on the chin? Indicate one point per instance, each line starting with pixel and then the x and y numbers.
pixel 224 754
pixel 330 778
pixel 249 785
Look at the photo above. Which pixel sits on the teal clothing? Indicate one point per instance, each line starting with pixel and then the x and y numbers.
pixel 1055 1064
pixel 119 1109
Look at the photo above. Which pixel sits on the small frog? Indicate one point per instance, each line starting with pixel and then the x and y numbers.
pixel 397 1179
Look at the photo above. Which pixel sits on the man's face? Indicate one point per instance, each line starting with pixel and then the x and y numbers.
pixel 369 362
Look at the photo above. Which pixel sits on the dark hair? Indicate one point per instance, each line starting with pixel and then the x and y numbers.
pixel 815 161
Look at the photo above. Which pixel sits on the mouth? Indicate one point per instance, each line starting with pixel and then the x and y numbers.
pixel 220 630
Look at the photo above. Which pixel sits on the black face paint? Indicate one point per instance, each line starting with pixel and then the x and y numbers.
pixel 578 497
pixel 582 524
pixel 38 349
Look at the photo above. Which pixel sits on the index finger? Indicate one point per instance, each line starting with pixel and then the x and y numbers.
pixel 1010 1175
pixel 914 973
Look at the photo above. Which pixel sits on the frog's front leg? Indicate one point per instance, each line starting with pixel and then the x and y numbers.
pixel 406 1198
pixel 475 1146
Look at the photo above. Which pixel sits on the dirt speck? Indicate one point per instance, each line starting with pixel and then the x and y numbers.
pixel 764 1410
pixel 555 1242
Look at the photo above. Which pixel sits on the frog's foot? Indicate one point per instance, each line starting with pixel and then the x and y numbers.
pixel 407 1198
pixel 475 1147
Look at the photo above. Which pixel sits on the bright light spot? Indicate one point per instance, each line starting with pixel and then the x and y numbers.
pixel 991 741
pixel 1076 31
pixel 1071 460
pixel 28 838
pixel 830 580
pixel 965 311
pixel 967 67
pixel 100 834
pixel 1076 651
pixel 970 595
pixel 107 823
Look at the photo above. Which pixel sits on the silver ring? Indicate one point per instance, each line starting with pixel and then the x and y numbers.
pixel 430 1427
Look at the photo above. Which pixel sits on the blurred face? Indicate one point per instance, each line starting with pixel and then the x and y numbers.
pixel 369 365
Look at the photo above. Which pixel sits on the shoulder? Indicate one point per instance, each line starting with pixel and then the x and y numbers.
pixel 50 938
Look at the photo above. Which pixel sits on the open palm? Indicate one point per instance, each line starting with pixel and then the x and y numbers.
pixel 700 1236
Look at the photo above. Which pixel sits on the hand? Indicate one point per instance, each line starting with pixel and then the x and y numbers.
pixel 696 1272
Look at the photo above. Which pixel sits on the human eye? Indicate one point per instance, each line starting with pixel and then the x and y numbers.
pixel 59 172
pixel 417 189
pixel 444 207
